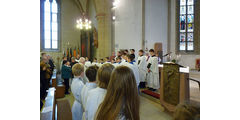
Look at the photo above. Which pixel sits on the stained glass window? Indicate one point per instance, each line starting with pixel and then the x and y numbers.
pixel 50 24
pixel 186 25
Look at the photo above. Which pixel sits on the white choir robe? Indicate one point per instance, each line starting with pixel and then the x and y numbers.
pixel 153 75
pixel 133 66
pixel 142 66
pixel 107 62
pixel 85 79
pixel 76 88
pixel 84 94
pixel 94 63
pixel 116 64
pixel 88 64
pixel 94 99
pixel 123 62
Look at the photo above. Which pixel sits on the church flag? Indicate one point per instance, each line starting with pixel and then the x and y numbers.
pixel 70 53
pixel 74 52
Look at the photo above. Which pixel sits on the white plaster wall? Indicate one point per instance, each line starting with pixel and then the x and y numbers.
pixel 128 25
pixel 156 23
pixel 186 60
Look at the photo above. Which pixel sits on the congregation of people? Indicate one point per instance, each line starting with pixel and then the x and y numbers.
pixel 105 88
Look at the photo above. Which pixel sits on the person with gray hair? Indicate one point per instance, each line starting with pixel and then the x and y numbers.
pixel 82 61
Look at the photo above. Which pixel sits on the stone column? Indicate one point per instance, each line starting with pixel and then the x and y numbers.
pixel 104 28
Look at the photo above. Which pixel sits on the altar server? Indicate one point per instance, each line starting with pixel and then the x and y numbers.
pixel 124 59
pixel 96 95
pixel 118 62
pixel 134 67
pixel 87 62
pixel 94 61
pixel 153 72
pixel 142 66
pixel 91 74
pixel 76 87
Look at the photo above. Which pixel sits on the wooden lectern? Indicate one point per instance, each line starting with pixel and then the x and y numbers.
pixel 174 86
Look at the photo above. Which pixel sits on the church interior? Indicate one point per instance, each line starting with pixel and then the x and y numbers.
pixel 99 32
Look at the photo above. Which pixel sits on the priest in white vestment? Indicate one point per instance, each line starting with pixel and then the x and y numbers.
pixel 142 66
pixel 153 72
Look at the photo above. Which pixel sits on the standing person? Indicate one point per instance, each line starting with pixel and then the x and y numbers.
pixel 76 87
pixel 87 62
pixel 153 72
pixel 43 80
pixel 118 62
pixel 106 60
pixel 66 74
pixel 124 59
pixel 96 95
pixel 50 62
pixel 119 54
pixel 121 101
pixel 126 51
pixel 94 61
pixel 132 52
pixel 133 67
pixel 142 66
pixel 73 62
pixel 82 60
pixel 64 58
pixel 78 58
pixel 91 74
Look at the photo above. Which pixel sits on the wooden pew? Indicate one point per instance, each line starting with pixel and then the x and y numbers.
pixel 60 88
pixel 48 111
pixel 55 109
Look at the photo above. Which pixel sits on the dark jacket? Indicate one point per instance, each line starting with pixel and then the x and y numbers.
pixel 66 72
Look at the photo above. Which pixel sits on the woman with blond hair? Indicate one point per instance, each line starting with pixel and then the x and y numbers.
pixel 121 101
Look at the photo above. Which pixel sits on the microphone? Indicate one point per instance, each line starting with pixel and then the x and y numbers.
pixel 167 54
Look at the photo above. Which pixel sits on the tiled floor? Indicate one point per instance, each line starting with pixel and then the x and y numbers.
pixel 150 110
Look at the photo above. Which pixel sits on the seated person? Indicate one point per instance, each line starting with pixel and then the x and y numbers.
pixel 121 101
pixel 96 95
pixel 91 74
pixel 76 87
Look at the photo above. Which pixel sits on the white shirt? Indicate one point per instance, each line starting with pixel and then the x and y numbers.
pixel 94 99
pixel 87 87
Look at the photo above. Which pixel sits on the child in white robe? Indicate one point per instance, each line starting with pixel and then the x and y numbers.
pixel 76 87
pixel 153 72
pixel 91 73
pixel 87 62
pixel 124 59
pixel 118 62
pixel 96 95
pixel 142 66
pixel 94 62
pixel 131 64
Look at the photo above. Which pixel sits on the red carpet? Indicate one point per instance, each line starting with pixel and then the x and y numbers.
pixel 151 93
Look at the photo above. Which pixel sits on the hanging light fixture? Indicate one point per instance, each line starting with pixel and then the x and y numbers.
pixel 84 23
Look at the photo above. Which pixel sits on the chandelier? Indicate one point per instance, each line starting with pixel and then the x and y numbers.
pixel 84 23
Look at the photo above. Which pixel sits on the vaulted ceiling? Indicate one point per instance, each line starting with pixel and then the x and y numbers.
pixel 82 5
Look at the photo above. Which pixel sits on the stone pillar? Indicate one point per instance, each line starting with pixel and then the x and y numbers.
pixel 104 28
